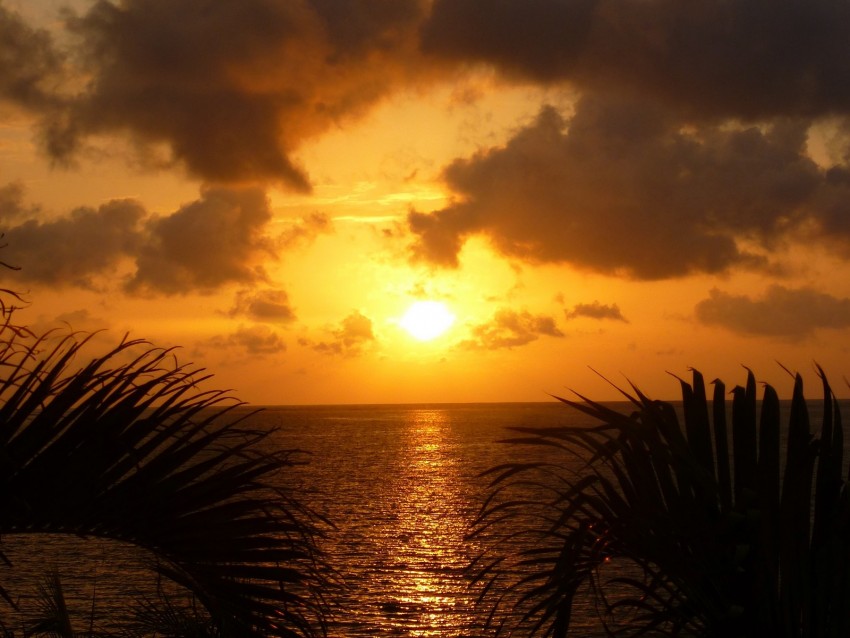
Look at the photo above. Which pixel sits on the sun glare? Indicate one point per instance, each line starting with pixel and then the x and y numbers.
pixel 426 320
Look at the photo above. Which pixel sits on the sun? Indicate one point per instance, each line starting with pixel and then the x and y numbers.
pixel 426 320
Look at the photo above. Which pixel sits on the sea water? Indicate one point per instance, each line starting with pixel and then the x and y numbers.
pixel 402 485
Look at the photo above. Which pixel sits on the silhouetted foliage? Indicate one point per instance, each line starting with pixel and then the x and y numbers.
pixel 676 528
pixel 9 300
pixel 126 447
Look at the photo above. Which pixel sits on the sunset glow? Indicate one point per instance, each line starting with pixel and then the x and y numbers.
pixel 271 200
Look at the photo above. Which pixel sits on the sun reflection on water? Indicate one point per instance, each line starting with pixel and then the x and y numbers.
pixel 430 527
pixel 407 530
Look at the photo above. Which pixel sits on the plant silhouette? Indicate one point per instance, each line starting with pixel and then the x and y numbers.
pixel 675 528
pixel 126 447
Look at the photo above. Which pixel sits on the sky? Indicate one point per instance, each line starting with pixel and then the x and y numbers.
pixel 598 192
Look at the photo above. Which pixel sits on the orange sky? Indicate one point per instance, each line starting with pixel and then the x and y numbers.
pixel 634 188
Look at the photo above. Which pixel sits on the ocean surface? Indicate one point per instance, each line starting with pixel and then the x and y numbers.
pixel 402 485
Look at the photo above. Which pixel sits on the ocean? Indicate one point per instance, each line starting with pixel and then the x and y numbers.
pixel 402 485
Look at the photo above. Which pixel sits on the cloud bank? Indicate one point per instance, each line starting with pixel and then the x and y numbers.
pixel 791 313
pixel 622 188
pixel 229 88
pixel 687 152
pixel 708 58
pixel 222 238
pixel 74 250
pixel 213 241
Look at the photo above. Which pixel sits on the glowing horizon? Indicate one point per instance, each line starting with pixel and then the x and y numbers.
pixel 274 208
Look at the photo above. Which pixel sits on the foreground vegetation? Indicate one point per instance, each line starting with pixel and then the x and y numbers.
pixel 126 447
pixel 676 528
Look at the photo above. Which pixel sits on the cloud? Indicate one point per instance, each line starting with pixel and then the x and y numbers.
pixel 622 188
pixel 12 206
pixel 595 310
pixel 74 321
pixel 793 313
pixel 270 306
pixel 216 240
pixel 75 249
pixel 231 88
pixel 30 65
pixel 349 339
pixel 305 230
pixel 510 329
pixel 747 59
pixel 254 340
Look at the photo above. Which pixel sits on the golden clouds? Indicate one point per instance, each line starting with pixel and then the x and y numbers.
pixel 222 238
pixel 790 313
pixel 30 65
pixel 510 329
pixel 231 88
pixel 511 148
pixel 622 188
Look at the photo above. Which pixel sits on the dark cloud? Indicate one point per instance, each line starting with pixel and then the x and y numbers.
pixel 595 310
pixel 509 329
pixel 622 188
pixel 748 58
pixel 792 313
pixel 269 306
pixel 231 88
pixel 30 66
pixel 358 27
pixel 216 240
pixel 256 341
pixel 349 339
pixel 76 249
pixel 540 39
pixel 12 204
pixel 831 210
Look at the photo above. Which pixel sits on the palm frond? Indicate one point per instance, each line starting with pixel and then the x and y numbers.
pixel 55 620
pixel 716 537
pixel 127 447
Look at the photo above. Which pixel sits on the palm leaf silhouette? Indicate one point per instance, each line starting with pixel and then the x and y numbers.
pixel 126 447
pixel 711 534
